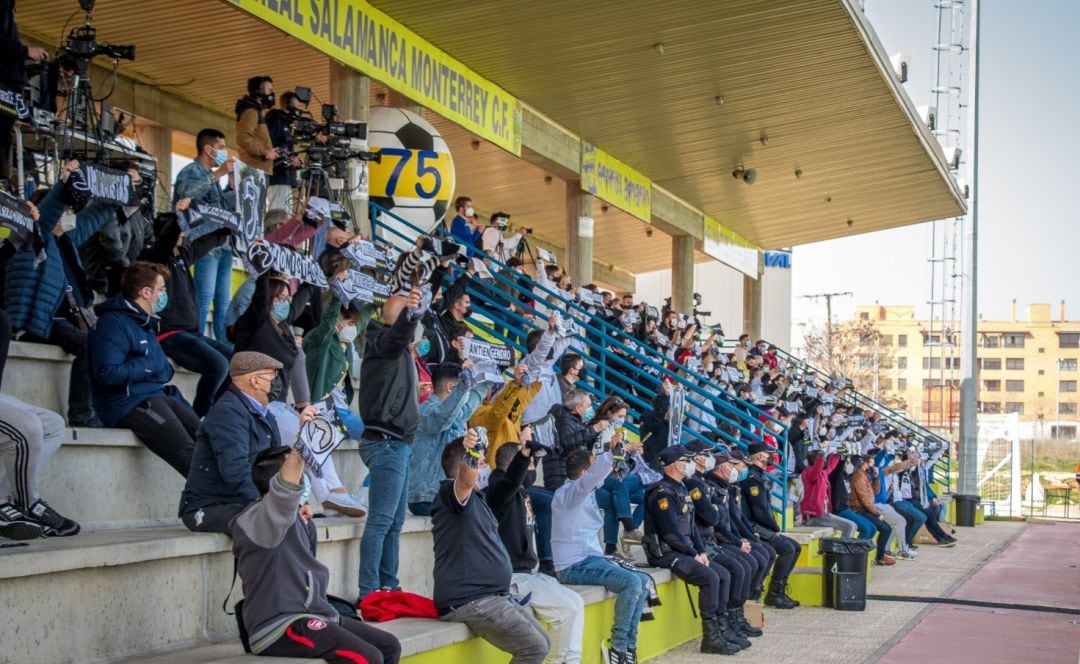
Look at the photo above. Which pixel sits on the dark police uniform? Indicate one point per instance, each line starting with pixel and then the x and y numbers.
pixel 714 522
pixel 763 554
pixel 756 491
pixel 672 541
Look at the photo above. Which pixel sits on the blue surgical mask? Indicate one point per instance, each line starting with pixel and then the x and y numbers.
pixel 423 348
pixel 162 302
pixel 589 414
pixel 618 422
pixel 281 311
pixel 220 156
pixel 743 474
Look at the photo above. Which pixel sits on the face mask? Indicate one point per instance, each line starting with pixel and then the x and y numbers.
pixel 849 468
pixel 732 475
pixel 689 468
pixel 618 422
pixel 347 334
pixel 710 463
pixel 743 474
pixel 423 348
pixel 588 414
pixel 267 100
pixel 162 302
pixel 275 388
pixel 67 221
pixel 469 212
pixel 281 311
pixel 220 156
pixel 746 344
pixel 468 312
pixel 581 373
pixel 530 478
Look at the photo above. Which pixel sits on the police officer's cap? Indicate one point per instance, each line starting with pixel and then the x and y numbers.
pixel 698 446
pixel 670 455
pixel 756 448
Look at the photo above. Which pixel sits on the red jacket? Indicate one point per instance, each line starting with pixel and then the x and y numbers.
pixel 816 487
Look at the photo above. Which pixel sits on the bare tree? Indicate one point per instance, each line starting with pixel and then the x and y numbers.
pixel 855 350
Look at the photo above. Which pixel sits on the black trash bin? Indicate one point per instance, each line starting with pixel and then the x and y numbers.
pixel 965 509
pixel 844 574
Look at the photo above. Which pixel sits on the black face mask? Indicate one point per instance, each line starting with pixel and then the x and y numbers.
pixel 581 373
pixel 267 100
pixel 530 479
pixel 277 389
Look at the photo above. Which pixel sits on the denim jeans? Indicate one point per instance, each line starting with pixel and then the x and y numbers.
pixel 213 285
pixel 907 509
pixel 631 589
pixel 932 525
pixel 617 498
pixel 867 529
pixel 387 462
pixel 205 356
pixel 884 533
pixel 540 498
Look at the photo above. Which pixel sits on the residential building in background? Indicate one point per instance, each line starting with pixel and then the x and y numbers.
pixel 1026 366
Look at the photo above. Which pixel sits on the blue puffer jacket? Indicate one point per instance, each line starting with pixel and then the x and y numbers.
pixel 127 364
pixel 32 295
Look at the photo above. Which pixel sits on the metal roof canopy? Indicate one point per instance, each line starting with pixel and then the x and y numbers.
pixel 801 72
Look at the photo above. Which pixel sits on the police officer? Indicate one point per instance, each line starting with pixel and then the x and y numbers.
pixel 727 549
pixel 727 483
pixel 672 541
pixel 756 490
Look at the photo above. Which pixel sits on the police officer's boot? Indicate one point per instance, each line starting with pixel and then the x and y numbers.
pixel 738 619
pixel 731 632
pixel 713 642
pixel 777 597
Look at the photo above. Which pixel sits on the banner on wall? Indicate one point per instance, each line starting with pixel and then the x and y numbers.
pixel 611 180
pixel 370 41
pixel 728 247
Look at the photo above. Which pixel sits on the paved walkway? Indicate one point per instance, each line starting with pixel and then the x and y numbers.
pixel 821 636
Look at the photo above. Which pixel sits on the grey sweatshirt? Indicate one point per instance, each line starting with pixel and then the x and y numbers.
pixel 282 579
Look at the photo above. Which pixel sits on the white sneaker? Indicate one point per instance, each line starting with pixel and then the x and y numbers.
pixel 344 504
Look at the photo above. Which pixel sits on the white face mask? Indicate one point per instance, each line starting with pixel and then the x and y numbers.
pixel 347 334
pixel 67 221
pixel 689 468
pixel 849 468
pixel 470 212
pixel 710 463
pixel 732 475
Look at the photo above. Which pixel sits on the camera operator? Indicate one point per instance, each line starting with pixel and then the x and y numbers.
pixel 494 241
pixel 283 179
pixel 252 134
pixel 13 55
pixel 472 569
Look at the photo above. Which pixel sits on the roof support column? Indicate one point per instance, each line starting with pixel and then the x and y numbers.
pixel 682 273
pixel 579 234
pixel 157 140
pixel 351 93
pixel 753 300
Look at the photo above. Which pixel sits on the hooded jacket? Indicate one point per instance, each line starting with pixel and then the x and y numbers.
pixel 572 434
pixel 283 581
pixel 252 134
pixel 816 485
pixel 388 401
pixel 501 415
pixel 127 365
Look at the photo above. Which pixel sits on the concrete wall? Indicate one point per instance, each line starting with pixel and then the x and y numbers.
pixel 776 308
pixel 721 290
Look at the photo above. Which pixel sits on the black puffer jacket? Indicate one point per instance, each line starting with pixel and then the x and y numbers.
pixel 572 433
pixel 389 400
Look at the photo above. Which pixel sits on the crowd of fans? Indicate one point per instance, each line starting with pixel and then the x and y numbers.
pixel 130 297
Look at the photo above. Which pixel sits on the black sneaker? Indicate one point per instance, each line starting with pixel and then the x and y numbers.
pixel 14 524
pixel 55 524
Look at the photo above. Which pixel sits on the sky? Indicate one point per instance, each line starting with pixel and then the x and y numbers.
pixel 1028 191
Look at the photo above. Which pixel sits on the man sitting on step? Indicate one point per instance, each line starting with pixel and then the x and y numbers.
pixel 237 428
pixel 285 610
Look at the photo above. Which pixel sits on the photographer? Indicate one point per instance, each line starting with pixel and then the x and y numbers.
pixel 255 147
pixel 494 242
pixel 285 611
pixel 473 571
pixel 283 179
pixel 560 607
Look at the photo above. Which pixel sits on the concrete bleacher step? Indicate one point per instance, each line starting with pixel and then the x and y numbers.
pixel 105 594
pixel 107 478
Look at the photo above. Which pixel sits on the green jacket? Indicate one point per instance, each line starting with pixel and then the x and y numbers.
pixel 327 359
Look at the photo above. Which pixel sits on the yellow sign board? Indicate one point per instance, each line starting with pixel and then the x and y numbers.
pixel 368 40
pixel 611 180
pixel 728 247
